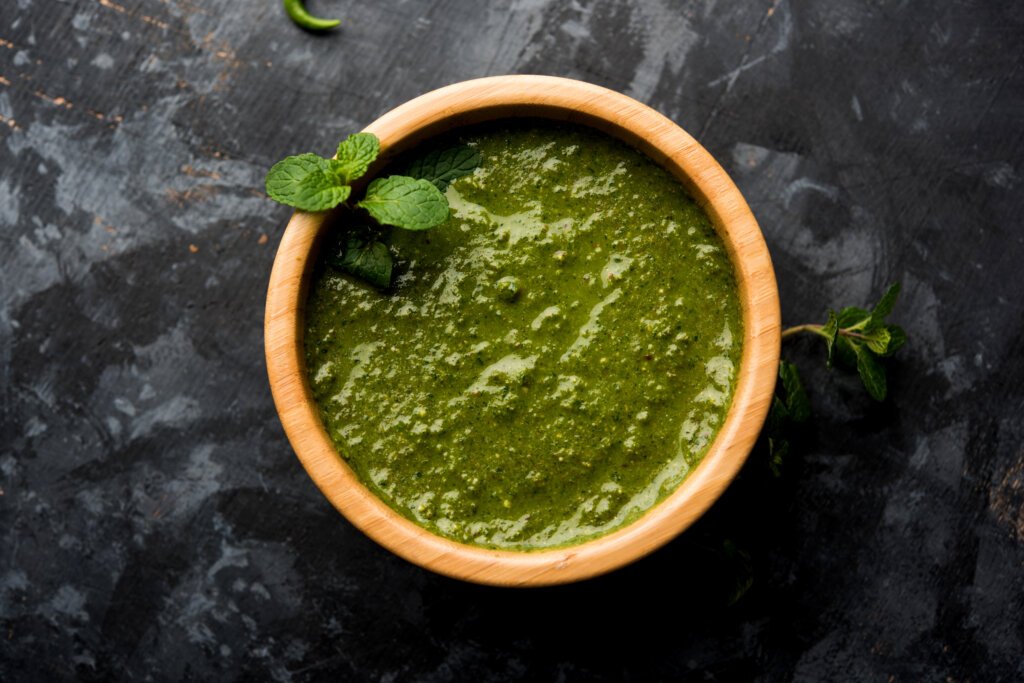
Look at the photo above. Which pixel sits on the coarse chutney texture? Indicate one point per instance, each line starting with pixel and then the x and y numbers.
pixel 549 363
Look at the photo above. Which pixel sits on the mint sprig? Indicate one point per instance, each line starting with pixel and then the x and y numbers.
pixel 309 182
pixel 312 183
pixel 858 338
pixel 855 338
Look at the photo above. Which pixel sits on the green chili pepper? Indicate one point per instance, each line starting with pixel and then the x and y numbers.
pixel 297 12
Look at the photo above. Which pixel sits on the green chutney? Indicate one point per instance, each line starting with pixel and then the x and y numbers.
pixel 549 363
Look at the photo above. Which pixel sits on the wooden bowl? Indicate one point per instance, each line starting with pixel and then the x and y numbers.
pixel 664 142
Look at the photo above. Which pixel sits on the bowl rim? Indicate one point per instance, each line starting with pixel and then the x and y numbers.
pixel 663 141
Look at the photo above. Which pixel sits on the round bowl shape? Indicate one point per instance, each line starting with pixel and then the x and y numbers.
pixel 665 143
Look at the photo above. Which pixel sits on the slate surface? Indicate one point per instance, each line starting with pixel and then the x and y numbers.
pixel 154 523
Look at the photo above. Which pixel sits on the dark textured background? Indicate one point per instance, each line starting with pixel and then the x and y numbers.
pixel 153 520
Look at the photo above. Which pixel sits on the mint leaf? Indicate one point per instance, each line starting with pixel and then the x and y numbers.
pixel 797 405
pixel 410 203
pixel 871 372
pixel 778 449
pixel 742 569
pixel 885 305
pixel 367 259
pixel 355 154
pixel 443 166
pixel 778 416
pixel 852 316
pixel 845 352
pixel 830 331
pixel 789 407
pixel 306 182
pixel 897 338
pixel 878 340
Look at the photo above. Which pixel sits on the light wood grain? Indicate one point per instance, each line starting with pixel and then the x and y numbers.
pixel 666 143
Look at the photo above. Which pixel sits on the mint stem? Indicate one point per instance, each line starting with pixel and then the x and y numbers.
pixel 818 330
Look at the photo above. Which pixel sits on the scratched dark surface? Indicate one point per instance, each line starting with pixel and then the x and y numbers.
pixel 154 523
